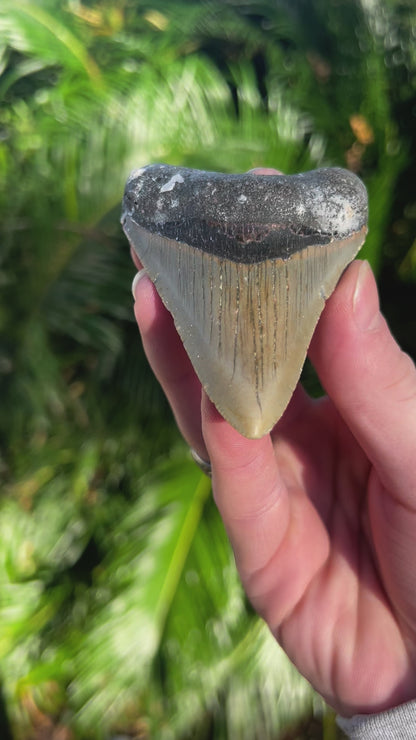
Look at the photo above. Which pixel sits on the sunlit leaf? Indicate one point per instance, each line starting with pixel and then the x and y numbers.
pixel 31 28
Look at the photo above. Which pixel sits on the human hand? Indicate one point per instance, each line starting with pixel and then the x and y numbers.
pixel 321 513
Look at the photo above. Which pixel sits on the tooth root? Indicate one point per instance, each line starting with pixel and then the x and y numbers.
pixel 246 326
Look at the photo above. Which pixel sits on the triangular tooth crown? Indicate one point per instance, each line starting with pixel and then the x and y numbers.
pixel 244 263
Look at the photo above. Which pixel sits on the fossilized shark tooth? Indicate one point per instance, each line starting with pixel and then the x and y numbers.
pixel 244 263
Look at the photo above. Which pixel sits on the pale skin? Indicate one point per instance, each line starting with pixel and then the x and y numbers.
pixel 321 512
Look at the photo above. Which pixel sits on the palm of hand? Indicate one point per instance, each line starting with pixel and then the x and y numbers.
pixel 330 590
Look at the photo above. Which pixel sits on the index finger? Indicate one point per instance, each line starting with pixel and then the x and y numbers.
pixel 278 538
pixel 169 362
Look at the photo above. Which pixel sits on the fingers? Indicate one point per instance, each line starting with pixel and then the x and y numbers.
pixel 265 171
pixel 370 380
pixel 247 489
pixel 277 537
pixel 169 361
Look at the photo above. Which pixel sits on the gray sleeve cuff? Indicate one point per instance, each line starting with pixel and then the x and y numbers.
pixel 398 723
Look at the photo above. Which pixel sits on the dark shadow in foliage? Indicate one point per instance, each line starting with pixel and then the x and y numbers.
pixel 5 729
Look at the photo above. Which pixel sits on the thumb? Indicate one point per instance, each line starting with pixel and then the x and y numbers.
pixel 370 380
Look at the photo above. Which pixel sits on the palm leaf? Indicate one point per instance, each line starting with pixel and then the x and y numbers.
pixel 33 30
pixel 177 623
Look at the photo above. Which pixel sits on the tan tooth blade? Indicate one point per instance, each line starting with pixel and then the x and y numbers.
pixel 246 327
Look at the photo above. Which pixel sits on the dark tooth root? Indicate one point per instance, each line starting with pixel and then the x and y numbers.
pixel 201 208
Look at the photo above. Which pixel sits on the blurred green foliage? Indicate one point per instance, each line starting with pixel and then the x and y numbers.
pixel 120 609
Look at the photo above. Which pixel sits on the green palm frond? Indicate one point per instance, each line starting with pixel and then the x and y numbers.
pixel 36 29
pixel 177 624
pixel 165 611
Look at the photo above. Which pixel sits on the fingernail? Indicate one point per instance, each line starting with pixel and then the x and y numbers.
pixel 365 304
pixel 136 281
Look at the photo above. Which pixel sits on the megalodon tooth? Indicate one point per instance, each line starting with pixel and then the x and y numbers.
pixel 244 264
